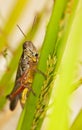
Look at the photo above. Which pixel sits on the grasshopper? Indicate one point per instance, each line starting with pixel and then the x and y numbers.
pixel 25 74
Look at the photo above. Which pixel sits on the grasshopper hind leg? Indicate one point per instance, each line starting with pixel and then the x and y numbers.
pixel 24 95
pixel 13 103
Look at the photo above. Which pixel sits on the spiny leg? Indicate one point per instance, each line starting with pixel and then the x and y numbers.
pixel 42 73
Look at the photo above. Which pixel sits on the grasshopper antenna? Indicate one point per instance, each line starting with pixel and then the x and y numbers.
pixel 34 21
pixel 21 30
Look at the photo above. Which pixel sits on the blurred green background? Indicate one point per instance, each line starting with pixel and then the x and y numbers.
pixel 57 26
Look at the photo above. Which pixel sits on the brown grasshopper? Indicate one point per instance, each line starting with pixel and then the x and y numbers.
pixel 25 75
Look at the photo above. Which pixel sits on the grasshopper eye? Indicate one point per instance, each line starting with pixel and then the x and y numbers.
pixel 36 54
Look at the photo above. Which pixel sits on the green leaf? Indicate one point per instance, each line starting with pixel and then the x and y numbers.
pixel 14 16
pixel 58 118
